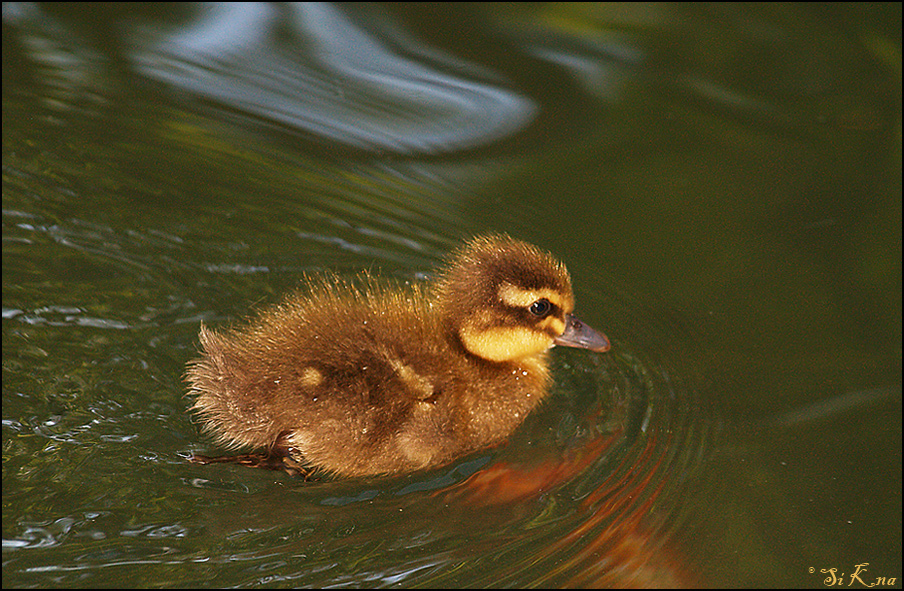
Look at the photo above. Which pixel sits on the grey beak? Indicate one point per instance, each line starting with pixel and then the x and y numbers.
pixel 578 334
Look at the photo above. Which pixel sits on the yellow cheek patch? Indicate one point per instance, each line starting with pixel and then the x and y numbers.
pixel 506 343
pixel 518 297
pixel 552 324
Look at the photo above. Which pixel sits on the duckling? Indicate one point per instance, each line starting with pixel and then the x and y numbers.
pixel 363 379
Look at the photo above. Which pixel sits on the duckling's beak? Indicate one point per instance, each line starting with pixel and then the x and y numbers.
pixel 578 334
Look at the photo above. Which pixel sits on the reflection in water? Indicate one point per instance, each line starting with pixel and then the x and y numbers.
pixel 618 477
pixel 351 84
pixel 610 545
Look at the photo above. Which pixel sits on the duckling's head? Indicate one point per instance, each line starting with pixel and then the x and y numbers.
pixel 507 300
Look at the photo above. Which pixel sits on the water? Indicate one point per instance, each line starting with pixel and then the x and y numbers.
pixel 722 181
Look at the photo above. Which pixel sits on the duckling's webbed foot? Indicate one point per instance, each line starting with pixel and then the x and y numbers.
pixel 278 457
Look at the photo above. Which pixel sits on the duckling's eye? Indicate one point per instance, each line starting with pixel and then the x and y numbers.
pixel 540 308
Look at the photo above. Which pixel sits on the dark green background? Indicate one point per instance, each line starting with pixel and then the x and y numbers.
pixel 723 181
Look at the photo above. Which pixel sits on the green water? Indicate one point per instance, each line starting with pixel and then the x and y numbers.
pixel 723 182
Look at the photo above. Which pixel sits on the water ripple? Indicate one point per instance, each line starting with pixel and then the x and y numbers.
pixel 367 86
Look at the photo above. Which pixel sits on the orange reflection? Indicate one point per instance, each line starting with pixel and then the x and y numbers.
pixel 614 549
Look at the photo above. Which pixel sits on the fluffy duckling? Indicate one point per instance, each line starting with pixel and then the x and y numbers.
pixel 365 380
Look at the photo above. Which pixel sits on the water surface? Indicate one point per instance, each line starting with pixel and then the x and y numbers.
pixel 723 182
